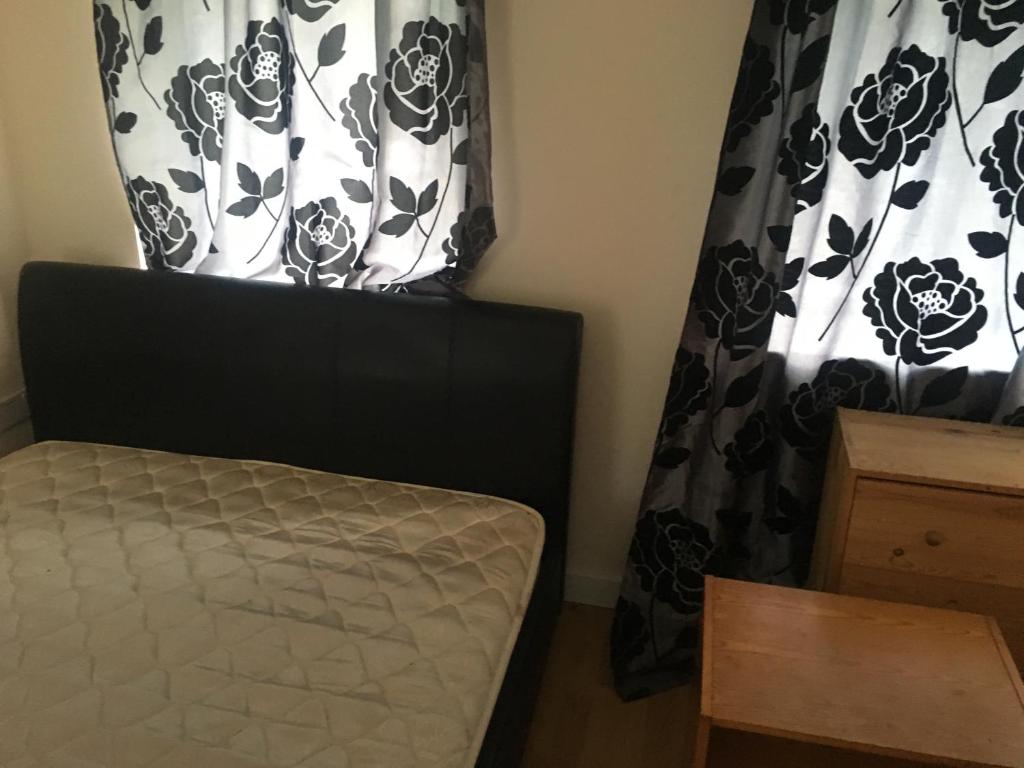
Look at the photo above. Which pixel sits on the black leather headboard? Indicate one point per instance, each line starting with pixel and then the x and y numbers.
pixel 450 393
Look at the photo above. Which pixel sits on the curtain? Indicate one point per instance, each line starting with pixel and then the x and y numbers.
pixel 861 251
pixel 1011 409
pixel 342 144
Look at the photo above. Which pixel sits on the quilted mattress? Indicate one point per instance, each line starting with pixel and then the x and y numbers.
pixel 166 610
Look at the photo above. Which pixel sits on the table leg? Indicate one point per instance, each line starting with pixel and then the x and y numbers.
pixel 701 741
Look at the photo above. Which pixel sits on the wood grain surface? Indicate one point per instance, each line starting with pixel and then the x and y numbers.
pixel 887 679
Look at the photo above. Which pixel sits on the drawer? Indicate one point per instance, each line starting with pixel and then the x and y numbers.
pixel 943 532
pixel 939 546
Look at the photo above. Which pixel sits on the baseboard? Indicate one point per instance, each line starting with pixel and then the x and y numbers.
pixel 591 590
pixel 15 429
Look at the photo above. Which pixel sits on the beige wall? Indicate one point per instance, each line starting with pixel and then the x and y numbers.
pixel 12 251
pixel 72 205
pixel 608 117
pixel 607 121
pixel 59 195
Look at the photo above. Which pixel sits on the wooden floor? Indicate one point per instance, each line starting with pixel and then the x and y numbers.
pixel 581 723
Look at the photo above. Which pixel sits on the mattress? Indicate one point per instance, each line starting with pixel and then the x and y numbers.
pixel 167 610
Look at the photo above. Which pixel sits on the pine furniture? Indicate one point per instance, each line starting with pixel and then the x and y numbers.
pixel 925 511
pixel 804 678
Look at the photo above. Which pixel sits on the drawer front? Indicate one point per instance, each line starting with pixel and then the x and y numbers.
pixel 948 533
pixel 942 547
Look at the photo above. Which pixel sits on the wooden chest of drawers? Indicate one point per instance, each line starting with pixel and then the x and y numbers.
pixel 925 511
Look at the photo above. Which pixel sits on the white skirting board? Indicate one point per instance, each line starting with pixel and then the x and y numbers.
pixel 15 429
pixel 591 590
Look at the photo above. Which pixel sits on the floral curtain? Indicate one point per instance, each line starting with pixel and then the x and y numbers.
pixel 860 252
pixel 1011 409
pixel 343 144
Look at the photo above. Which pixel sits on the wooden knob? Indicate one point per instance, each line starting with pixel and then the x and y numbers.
pixel 898 552
pixel 933 538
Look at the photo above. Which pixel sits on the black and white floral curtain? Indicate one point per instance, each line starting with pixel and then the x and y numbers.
pixel 342 143
pixel 862 250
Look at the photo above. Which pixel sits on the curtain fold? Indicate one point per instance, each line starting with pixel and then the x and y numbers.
pixel 342 144
pixel 1011 408
pixel 859 253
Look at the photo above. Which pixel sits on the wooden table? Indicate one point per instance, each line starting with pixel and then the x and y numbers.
pixel 801 678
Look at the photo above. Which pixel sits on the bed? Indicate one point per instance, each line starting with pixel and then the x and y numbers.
pixel 273 526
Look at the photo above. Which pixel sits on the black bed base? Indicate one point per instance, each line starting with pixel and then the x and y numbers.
pixel 450 393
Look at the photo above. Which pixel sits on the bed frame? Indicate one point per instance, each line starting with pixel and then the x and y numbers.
pixel 444 392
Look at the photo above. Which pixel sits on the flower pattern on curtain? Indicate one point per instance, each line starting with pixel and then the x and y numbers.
pixel 859 253
pixel 342 144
